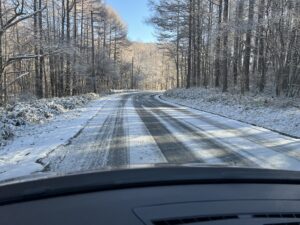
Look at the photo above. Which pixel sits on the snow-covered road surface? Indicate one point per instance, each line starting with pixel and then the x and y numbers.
pixel 139 128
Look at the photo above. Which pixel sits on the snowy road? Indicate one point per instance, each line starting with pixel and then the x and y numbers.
pixel 139 128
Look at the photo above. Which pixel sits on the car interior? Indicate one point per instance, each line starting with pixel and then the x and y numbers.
pixel 156 196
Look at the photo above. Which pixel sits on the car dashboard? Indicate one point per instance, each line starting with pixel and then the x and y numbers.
pixel 229 200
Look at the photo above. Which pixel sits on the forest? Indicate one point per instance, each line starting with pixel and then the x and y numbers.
pixel 153 67
pixel 241 45
pixel 56 48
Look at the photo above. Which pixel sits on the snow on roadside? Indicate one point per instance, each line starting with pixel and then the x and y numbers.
pixel 20 157
pixel 16 117
pixel 278 114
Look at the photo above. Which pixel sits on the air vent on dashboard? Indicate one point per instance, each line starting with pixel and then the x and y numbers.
pixel 199 219
pixel 293 223
pixel 196 219
pixel 278 215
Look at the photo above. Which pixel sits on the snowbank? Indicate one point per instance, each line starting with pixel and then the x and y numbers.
pixel 17 116
pixel 278 114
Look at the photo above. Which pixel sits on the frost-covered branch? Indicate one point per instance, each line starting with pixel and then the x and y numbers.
pixel 14 81
pixel 14 21
pixel 18 58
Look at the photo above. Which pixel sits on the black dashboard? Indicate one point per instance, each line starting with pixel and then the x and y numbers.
pixel 156 196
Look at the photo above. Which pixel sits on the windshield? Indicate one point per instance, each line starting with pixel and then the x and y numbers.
pixel 91 85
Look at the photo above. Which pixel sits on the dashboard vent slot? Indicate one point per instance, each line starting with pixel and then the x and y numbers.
pixel 196 219
pixel 278 215
pixel 293 223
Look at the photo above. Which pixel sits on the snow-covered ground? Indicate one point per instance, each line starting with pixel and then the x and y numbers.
pixel 17 117
pixel 34 141
pixel 259 146
pixel 278 114
pixel 138 128
pixel 78 139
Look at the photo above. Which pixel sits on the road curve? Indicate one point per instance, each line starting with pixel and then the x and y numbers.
pixel 138 128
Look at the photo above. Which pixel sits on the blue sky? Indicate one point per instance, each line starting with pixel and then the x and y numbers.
pixel 134 13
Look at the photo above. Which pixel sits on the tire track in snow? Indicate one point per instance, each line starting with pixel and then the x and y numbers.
pixel 284 144
pixel 173 150
pixel 118 150
pixel 142 146
pixel 206 147
pixel 251 142
pixel 90 149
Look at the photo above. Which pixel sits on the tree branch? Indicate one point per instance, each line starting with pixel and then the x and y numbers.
pixel 22 57
pixel 14 81
pixel 13 23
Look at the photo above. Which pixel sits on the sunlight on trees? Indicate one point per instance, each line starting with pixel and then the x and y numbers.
pixel 247 45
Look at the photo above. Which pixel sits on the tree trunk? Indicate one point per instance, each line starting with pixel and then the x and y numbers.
pixel 62 38
pixel 74 77
pixel 218 47
pixel 41 53
pixel 261 52
pixel 189 73
pixel 225 46
pixel 68 90
pixel 237 40
pixel 177 46
pixel 2 87
pixel 246 84
pixel 38 80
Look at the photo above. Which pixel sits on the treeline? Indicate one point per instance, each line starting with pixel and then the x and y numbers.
pixel 248 45
pixel 152 67
pixel 59 47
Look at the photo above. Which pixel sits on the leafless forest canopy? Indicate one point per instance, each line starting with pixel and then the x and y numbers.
pixel 52 48
pixel 59 48
pixel 246 45
pixel 56 47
